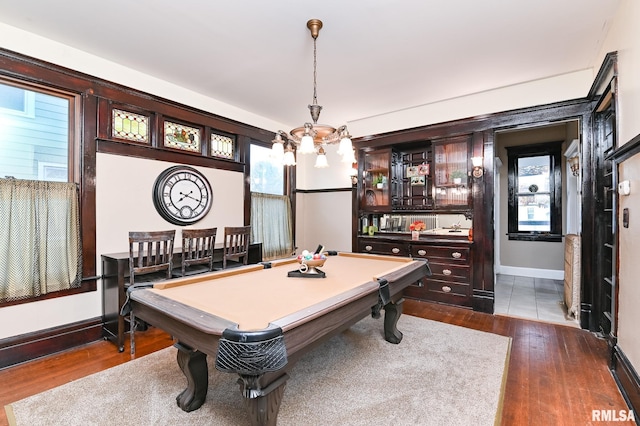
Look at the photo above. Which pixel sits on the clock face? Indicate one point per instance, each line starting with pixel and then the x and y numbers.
pixel 182 195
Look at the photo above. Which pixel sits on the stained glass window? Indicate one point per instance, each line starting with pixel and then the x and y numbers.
pixel 130 126
pixel 179 136
pixel 222 146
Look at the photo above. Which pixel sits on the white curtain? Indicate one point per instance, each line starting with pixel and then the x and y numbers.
pixel 271 224
pixel 40 247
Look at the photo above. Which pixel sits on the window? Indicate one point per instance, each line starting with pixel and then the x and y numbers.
pixel 16 101
pixel 38 144
pixel 266 175
pixel 271 216
pixel 535 192
pixel 39 201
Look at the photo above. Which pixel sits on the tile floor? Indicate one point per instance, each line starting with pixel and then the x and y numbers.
pixel 535 298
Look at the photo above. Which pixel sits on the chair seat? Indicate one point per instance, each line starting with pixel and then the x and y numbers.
pixel 149 278
pixel 230 264
pixel 191 270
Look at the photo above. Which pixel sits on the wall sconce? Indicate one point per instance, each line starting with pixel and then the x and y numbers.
pixel 574 163
pixel 477 167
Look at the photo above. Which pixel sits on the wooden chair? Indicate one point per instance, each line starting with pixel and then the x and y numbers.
pixel 150 259
pixel 150 253
pixel 236 245
pixel 197 251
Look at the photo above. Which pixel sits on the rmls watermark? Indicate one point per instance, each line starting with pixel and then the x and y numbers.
pixel 612 416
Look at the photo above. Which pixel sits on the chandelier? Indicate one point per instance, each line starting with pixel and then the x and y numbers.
pixel 313 137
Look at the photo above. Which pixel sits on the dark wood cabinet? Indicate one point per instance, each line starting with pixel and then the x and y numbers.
pixel 426 181
pixel 451 180
pixel 451 281
pixel 414 179
pixel 378 182
pixel 115 273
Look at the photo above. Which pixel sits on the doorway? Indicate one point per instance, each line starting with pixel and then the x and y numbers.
pixel 529 264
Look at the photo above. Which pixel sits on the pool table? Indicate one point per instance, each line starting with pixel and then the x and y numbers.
pixel 258 322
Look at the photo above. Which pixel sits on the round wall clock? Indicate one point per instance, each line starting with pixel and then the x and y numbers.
pixel 182 195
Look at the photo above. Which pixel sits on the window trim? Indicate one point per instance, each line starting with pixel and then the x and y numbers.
pixel 554 150
pixel 73 166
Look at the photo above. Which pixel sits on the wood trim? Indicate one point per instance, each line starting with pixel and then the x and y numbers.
pixel 627 379
pixel 483 301
pixel 607 71
pixel 107 146
pixel 540 114
pixel 319 191
pixel 27 347
pixel 626 151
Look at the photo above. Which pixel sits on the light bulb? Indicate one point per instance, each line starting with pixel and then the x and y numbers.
pixel 289 159
pixel 348 156
pixel 321 161
pixel 277 151
pixel 306 145
pixel 345 145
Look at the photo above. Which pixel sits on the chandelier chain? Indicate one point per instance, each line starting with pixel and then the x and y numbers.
pixel 315 94
pixel 311 137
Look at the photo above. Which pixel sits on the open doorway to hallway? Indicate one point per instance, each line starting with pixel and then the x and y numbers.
pixel 529 258
pixel 533 298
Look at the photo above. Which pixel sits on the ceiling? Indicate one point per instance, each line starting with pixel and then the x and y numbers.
pixel 374 57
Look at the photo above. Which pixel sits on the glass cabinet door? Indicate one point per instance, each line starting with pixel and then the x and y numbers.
pixel 376 180
pixel 452 185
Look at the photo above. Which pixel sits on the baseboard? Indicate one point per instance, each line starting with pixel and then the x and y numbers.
pixel 627 379
pixel 532 272
pixel 483 301
pixel 27 347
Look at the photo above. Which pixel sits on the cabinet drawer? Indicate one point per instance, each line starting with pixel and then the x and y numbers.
pixel 450 272
pixel 394 249
pixel 441 291
pixel 440 252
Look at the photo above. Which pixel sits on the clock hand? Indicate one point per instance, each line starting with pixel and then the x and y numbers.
pixel 189 196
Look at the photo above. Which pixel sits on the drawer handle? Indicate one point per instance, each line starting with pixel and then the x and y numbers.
pixel 456 255
pixel 422 252
pixel 368 248
pixel 395 250
pixel 446 272
pixel 446 288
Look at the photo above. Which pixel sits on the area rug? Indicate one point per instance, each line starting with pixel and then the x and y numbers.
pixel 438 375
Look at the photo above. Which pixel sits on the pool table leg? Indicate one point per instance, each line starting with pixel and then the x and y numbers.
pixel 193 364
pixel 392 312
pixel 263 404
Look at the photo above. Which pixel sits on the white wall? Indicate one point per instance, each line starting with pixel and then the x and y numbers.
pixel 327 220
pixel 553 89
pixel 624 37
pixel 124 202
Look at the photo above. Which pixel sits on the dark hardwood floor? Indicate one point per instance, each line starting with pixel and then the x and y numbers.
pixel 557 374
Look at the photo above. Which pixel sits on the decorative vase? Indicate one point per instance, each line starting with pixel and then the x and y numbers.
pixel 415 235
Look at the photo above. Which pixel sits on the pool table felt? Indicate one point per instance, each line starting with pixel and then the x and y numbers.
pixel 259 297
